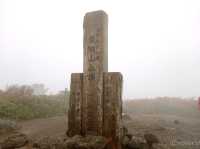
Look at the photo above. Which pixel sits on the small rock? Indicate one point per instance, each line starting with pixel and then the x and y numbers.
pixel 129 136
pixel 125 141
pixel 176 122
pixel 151 139
pixel 133 143
pixel 126 117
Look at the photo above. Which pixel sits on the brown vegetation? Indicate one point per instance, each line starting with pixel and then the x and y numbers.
pixel 20 103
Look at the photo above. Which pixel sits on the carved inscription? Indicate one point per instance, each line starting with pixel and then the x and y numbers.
pixel 95 28
pixel 96 95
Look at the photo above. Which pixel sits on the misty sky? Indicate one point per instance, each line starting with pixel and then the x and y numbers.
pixel 154 43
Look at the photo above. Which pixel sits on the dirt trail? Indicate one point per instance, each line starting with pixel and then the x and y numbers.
pixel 163 126
pixel 44 127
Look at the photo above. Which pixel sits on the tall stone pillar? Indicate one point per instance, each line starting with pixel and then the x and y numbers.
pixel 95 64
pixel 96 94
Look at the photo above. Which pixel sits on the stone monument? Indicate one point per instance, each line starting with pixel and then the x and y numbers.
pixel 95 106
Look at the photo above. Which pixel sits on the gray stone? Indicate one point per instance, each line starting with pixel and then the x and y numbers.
pixel 14 141
pixel 112 107
pixel 95 63
pixel 151 139
pixel 87 142
pixel 95 42
pixel 75 104
pixel 96 94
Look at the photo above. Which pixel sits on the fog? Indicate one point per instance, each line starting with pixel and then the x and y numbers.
pixel 154 44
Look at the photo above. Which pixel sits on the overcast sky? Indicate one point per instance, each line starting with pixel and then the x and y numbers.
pixel 154 43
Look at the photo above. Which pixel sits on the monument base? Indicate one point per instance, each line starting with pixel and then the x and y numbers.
pixel 112 107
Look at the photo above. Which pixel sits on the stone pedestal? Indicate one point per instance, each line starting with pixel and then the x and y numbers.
pixel 112 106
pixel 75 104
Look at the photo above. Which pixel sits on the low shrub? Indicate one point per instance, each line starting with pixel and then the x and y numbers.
pixel 24 108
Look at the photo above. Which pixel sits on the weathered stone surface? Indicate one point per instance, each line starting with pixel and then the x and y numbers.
pixel 87 142
pixel 75 105
pixel 48 143
pixel 132 142
pixel 75 142
pixel 151 139
pixel 112 107
pixel 95 42
pixel 95 63
pixel 96 95
pixel 14 141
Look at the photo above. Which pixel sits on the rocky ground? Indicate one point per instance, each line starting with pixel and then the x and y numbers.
pixel 172 131
pixel 143 131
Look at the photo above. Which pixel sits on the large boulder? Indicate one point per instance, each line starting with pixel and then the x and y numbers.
pixel 151 139
pixel 14 141
pixel 130 141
